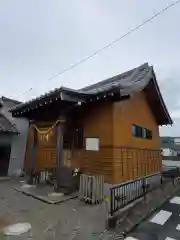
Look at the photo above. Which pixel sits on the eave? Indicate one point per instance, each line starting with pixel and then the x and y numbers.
pixel 138 79
pixel 167 120
pixel 62 95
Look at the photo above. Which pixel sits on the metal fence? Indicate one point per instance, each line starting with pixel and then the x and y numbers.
pixel 127 192
pixel 171 158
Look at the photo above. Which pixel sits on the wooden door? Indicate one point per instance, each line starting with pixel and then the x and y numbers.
pixel 46 149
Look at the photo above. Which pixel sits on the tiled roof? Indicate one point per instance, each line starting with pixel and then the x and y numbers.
pixel 13 101
pixel 124 80
pixel 126 83
pixel 6 126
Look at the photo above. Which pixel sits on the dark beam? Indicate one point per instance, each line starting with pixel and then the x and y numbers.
pixel 32 154
pixel 59 152
pixel 71 98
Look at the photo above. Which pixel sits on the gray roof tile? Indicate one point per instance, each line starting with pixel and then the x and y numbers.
pixel 122 80
pixel 6 125
pixel 128 82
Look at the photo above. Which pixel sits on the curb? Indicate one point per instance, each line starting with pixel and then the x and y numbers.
pixel 112 220
pixel 43 199
pixel 150 212
pixel 3 179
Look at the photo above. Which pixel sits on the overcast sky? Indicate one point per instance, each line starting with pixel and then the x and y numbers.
pixel 39 38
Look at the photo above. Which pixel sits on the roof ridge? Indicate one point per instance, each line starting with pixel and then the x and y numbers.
pixel 109 80
pixel 3 98
pixel 11 128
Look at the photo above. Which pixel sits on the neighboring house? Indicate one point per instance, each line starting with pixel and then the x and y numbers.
pixel 110 128
pixel 171 151
pixel 167 145
pixel 170 146
pixel 13 135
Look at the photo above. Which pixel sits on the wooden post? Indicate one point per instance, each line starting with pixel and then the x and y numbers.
pixel 59 152
pixel 32 155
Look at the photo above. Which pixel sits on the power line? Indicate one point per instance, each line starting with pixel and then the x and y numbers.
pixel 27 91
pixel 112 43
pixel 23 93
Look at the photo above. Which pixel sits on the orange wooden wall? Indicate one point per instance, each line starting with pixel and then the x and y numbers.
pixel 97 122
pixel 134 111
pixel 121 156
pixel 45 154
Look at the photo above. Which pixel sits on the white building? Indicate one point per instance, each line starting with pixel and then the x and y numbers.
pixel 171 151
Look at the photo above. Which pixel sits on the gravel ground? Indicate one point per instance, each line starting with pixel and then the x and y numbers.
pixel 71 220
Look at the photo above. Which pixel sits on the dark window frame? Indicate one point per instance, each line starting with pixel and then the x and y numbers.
pixel 141 132
pixel 73 138
pixel 148 134
pixel 137 131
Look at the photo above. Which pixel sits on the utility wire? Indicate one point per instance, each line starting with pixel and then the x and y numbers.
pixel 112 43
pixel 27 91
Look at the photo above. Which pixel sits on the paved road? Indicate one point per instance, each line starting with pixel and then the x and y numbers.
pixel 76 221
pixel 164 224
pixel 71 220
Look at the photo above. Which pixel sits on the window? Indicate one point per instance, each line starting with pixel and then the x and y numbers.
pixel 137 131
pixel 141 132
pixel 148 134
pixel 177 141
pixel 144 133
pixel 134 130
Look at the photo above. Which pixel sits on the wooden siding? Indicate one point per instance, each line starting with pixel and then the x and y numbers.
pixel 141 151
pixel 97 122
pixel 121 156
pixel 132 163
pixel 99 163
pixel 45 153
